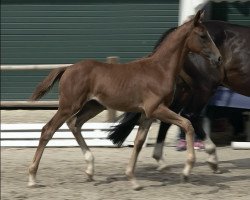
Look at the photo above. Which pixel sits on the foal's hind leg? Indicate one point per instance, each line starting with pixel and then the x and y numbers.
pixel 165 114
pixel 90 110
pixel 47 133
pixel 176 106
pixel 139 141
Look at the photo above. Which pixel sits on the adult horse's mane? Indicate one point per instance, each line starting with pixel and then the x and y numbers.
pixel 229 38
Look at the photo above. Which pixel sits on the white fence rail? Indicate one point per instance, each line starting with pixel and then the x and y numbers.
pixel 27 135
pixel 32 67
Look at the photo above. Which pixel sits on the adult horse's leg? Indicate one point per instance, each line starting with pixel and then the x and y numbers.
pixel 210 147
pixel 165 114
pixel 90 110
pixel 47 133
pixel 176 106
pixel 139 141
pixel 158 150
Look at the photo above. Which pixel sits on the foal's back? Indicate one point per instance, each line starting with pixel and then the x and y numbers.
pixel 126 83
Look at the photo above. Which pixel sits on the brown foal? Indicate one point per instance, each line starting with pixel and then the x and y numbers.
pixel 146 85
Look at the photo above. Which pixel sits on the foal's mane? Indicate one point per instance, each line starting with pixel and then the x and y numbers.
pixel 163 37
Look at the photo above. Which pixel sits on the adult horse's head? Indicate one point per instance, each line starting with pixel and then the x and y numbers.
pixel 199 41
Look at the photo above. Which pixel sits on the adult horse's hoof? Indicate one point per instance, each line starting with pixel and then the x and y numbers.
pixel 214 167
pixel 162 165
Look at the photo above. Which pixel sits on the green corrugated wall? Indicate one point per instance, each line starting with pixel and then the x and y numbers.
pixel 235 12
pixel 63 31
pixel 67 31
pixel 57 32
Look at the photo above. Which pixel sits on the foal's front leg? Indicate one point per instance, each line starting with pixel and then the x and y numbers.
pixel 139 141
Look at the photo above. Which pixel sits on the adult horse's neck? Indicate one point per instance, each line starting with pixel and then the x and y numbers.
pixel 171 53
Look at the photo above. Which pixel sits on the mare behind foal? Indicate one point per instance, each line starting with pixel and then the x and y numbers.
pixel 149 81
pixel 193 93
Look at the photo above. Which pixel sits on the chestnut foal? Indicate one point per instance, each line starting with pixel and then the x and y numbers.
pixel 146 85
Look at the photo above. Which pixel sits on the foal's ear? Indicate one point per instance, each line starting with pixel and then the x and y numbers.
pixel 198 17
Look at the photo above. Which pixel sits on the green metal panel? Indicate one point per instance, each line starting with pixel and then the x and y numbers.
pixel 19 85
pixel 62 31
pixel 236 12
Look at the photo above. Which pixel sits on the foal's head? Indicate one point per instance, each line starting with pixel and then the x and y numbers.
pixel 199 41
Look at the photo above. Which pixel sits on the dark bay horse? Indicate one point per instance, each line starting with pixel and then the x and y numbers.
pixel 198 83
pixel 145 85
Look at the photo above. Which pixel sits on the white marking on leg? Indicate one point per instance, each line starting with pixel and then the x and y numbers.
pixel 90 163
pixel 210 149
pixel 190 149
pixel 32 180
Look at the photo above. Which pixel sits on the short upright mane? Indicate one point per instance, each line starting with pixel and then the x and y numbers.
pixel 163 37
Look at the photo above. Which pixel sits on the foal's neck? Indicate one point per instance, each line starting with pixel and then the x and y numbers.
pixel 171 53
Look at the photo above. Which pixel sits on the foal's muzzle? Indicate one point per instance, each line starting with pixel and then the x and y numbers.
pixel 219 62
pixel 216 61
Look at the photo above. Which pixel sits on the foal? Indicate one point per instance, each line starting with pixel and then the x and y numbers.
pixel 145 85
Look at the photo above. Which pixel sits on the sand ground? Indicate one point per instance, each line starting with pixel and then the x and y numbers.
pixel 61 173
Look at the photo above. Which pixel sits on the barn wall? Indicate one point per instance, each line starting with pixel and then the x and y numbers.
pixel 62 31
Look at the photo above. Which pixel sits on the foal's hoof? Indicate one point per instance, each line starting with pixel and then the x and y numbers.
pixel 218 171
pixel 163 168
pixel 184 178
pixel 32 185
pixel 137 187
pixel 89 177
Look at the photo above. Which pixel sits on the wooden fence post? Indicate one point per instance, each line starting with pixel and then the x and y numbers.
pixel 111 112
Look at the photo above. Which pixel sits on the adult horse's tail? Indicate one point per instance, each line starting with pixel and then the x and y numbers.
pixel 119 133
pixel 47 83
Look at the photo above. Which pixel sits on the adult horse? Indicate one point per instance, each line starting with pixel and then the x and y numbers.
pixel 145 85
pixel 198 82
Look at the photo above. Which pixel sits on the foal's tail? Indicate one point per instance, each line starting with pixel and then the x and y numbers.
pixel 119 133
pixel 47 83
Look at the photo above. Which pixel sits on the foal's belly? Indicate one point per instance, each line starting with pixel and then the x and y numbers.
pixel 121 103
